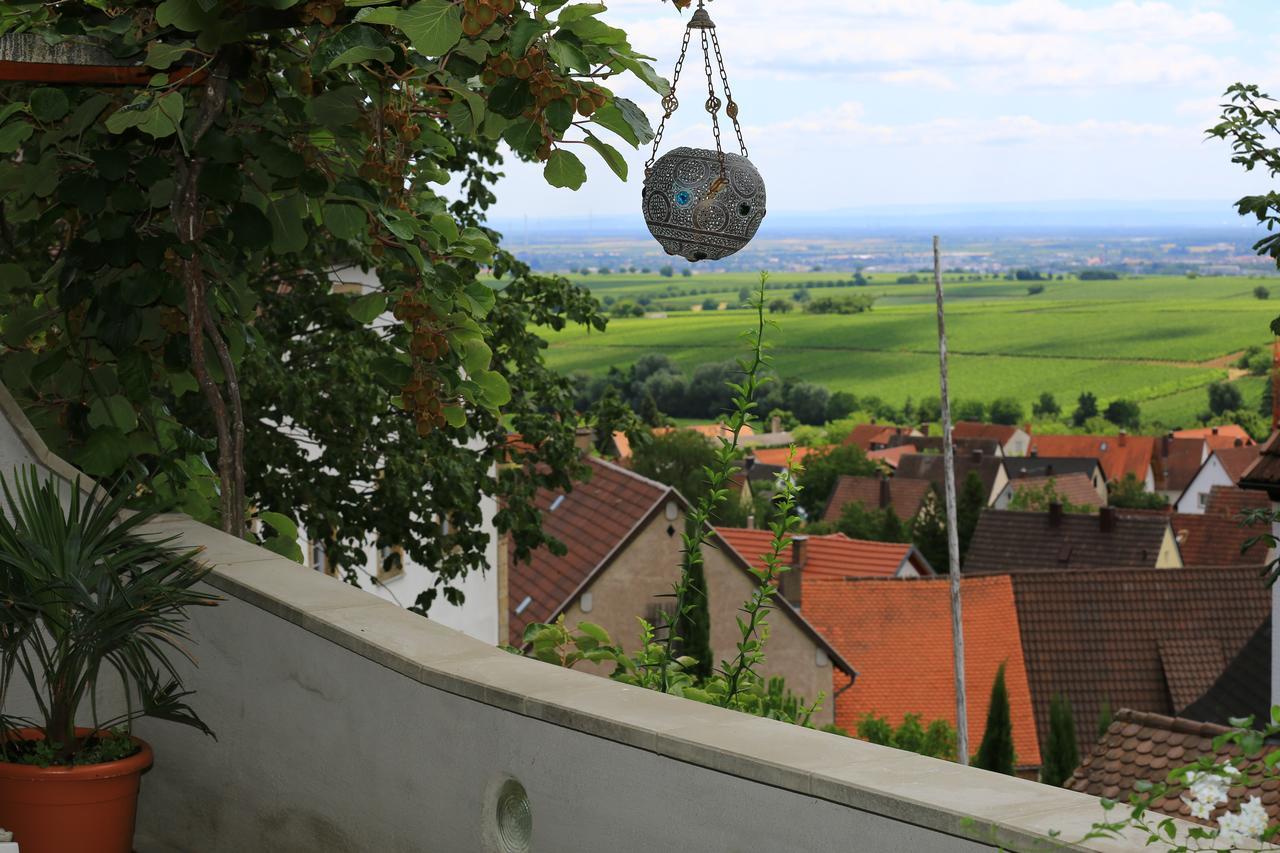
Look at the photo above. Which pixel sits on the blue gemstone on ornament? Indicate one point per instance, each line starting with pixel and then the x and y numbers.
pixel 683 197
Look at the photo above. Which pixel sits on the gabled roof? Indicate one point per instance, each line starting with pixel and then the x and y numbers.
pixel 593 520
pixel 1119 454
pixel 900 633
pixel 1008 541
pixel 932 467
pixel 1236 460
pixel 1096 636
pixel 1076 488
pixel 780 455
pixel 891 456
pixel 875 436
pixel 972 429
pixel 1217 537
pixel 834 555
pixel 1179 462
pixel 904 494
pixel 1218 437
pixel 1145 746
pixel 1046 466
pixel 1244 687
pixel 933 444
pixel 711 431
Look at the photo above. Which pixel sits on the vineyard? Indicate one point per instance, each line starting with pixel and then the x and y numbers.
pixel 1156 340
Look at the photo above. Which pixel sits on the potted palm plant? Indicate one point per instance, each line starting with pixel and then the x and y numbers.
pixel 85 600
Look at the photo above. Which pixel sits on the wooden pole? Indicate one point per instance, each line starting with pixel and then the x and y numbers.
pixel 953 533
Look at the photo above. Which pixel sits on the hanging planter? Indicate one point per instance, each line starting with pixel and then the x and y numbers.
pixel 702 204
pixel 27 58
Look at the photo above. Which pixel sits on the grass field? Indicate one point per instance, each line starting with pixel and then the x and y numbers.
pixel 1158 340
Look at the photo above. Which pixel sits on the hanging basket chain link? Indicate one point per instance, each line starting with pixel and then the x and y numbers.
pixel 702 21
pixel 669 103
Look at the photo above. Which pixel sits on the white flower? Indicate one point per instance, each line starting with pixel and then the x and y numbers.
pixel 1199 810
pixel 1208 788
pixel 1248 823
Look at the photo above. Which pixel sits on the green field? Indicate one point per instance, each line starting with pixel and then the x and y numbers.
pixel 1158 340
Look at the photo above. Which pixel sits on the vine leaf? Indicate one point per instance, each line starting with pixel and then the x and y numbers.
pixel 564 169
pixel 433 26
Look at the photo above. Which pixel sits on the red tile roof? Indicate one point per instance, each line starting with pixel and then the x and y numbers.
pixel 1236 460
pixel 1216 540
pixel 899 632
pixel 592 520
pixel 874 436
pixel 891 456
pixel 1264 473
pixel 1146 746
pixel 1179 462
pixel 1218 437
pixel 904 494
pixel 1076 488
pixel 780 455
pixel 1119 454
pixel 1095 636
pixel 833 556
pixel 973 429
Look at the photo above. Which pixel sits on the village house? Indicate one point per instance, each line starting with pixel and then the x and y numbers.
pixel 1148 639
pixel 875 436
pixel 1076 489
pixel 903 495
pixel 1218 437
pixel 1176 464
pixel 891 625
pixel 1119 455
pixel 831 555
pixel 623 547
pixel 932 467
pixel 1012 440
pixel 933 444
pixel 1035 465
pixel 1006 541
pixel 1223 467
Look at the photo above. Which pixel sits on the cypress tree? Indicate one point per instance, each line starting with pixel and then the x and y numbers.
pixel 970 502
pixel 1104 718
pixel 892 528
pixel 693 627
pixel 996 751
pixel 1063 754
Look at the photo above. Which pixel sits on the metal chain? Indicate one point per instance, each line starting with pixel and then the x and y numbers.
pixel 669 103
pixel 713 104
pixel 731 107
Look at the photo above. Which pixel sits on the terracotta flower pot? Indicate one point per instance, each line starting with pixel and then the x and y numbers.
pixel 85 809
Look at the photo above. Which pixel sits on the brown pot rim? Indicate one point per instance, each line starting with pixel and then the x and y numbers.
pixel 136 763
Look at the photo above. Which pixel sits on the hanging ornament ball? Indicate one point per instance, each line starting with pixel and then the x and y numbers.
pixel 693 212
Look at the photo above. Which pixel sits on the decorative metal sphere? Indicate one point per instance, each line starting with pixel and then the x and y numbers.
pixel 687 218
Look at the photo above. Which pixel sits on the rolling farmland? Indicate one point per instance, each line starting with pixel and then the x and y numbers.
pixel 1157 340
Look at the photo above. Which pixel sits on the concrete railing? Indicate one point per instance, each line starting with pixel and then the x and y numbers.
pixel 345 723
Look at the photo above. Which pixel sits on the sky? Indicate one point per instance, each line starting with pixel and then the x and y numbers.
pixel 865 104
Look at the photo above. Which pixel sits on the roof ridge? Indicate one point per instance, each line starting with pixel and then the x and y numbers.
pixel 1163 721
pixel 599 460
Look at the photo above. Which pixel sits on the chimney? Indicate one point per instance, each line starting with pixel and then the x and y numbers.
pixel 884 491
pixel 1239 442
pixel 1048 470
pixel 1165 444
pixel 775 424
pixel 1055 514
pixel 584 439
pixel 873 421
pixel 1035 451
pixel 751 521
pixel 789 584
pixel 1123 435
pixel 1107 518
pixel 1215 430
pixel 976 454
pixel 924 429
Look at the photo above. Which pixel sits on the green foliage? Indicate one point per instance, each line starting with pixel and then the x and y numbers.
pixel 1104 717
pixel 779 306
pixel 1131 493
pixel 929 532
pixel 1086 408
pixel 1039 498
pixel 1046 406
pixel 87 596
pixel 996 750
pixel 970 410
pixel 822 470
pixel 1261 292
pixel 680 459
pixel 153 225
pixel 855 304
pixel 1006 410
pixel 970 502
pixel 877 525
pixel 1062 754
pixel 1123 413
pixel 1224 397
pixel 938 740
pixel 840 404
